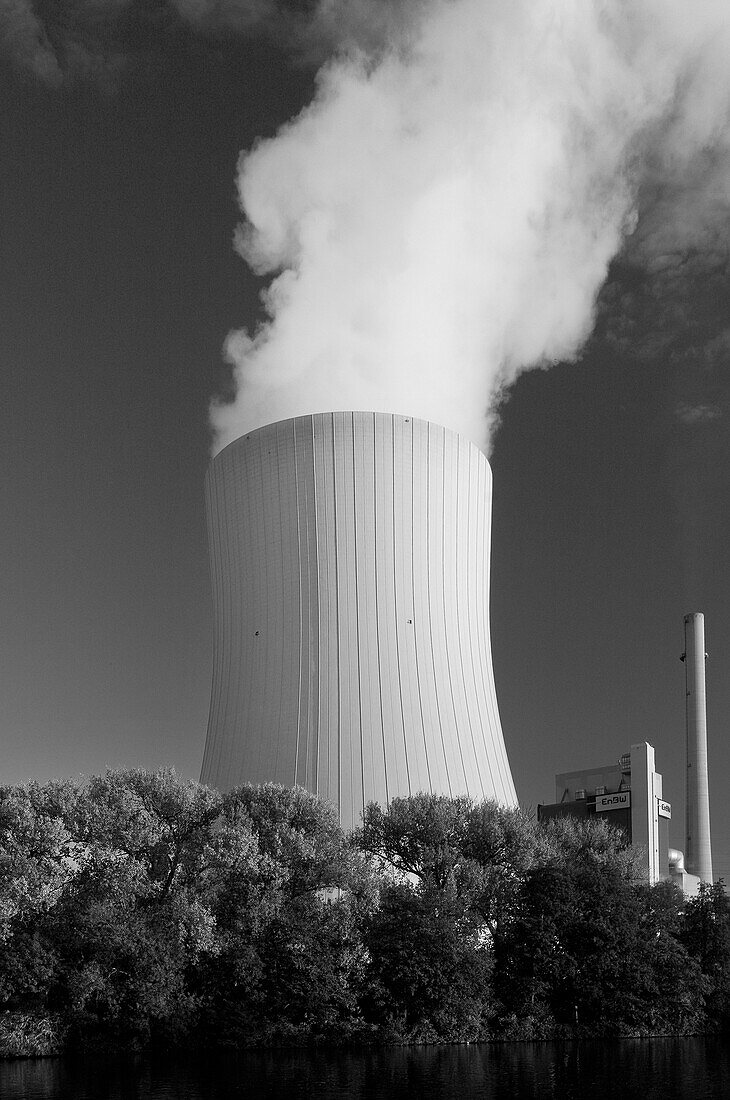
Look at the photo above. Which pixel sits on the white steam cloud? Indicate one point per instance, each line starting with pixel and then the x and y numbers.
pixel 441 217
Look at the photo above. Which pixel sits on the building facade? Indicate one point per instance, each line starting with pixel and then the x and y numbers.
pixel 629 795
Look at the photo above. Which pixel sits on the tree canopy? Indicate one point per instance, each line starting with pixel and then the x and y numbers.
pixel 139 907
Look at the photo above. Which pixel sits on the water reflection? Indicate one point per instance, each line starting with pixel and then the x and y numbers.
pixel 670 1069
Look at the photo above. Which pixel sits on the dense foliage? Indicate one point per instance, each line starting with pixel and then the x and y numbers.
pixel 138 908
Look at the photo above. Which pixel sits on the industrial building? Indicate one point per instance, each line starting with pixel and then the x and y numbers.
pixel 629 793
pixel 352 653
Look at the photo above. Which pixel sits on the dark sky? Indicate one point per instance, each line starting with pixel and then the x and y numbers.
pixel 119 283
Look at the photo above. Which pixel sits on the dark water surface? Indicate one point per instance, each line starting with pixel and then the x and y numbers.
pixel 647 1069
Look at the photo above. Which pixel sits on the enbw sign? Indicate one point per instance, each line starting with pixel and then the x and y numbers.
pixel 621 800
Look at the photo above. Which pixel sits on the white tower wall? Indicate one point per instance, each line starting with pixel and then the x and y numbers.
pixel 352 655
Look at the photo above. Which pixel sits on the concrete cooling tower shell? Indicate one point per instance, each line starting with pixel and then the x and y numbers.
pixel 352 656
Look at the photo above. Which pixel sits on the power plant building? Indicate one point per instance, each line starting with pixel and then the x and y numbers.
pixel 627 794
pixel 352 653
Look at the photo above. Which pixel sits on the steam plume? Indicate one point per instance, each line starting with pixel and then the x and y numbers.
pixel 442 216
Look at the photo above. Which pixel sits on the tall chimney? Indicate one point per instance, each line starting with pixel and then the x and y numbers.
pixel 698 855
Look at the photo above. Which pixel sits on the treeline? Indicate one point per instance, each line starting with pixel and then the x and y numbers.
pixel 140 908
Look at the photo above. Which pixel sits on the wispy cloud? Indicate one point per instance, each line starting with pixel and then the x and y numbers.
pixel 24 40
pixel 697 414
pixel 55 40
pixel 68 39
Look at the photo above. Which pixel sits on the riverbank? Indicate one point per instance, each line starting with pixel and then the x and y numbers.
pixel 643 1069
pixel 34 1035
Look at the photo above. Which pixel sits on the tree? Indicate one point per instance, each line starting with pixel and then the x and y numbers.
pixel 705 933
pixel 422 836
pixel 428 978
pixel 291 955
pixel 452 868
pixel 135 919
pixel 482 848
pixel 593 949
pixel 39 860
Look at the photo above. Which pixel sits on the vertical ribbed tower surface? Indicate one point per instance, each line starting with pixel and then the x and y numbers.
pixel 698 853
pixel 352 655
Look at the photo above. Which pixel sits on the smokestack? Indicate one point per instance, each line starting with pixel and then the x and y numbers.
pixel 698 856
pixel 350 561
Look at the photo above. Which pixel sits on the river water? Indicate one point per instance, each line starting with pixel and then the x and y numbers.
pixel 642 1069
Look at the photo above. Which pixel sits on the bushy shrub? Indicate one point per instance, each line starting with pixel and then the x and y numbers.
pixel 25 1035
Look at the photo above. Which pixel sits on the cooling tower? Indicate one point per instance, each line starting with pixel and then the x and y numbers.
pixel 698 854
pixel 352 656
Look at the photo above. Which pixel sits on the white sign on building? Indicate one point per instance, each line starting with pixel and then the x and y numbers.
pixel 621 800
